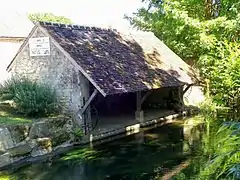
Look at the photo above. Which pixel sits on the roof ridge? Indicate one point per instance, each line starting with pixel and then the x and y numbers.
pixel 75 26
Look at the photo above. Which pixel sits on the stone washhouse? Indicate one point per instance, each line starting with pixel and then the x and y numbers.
pixel 102 76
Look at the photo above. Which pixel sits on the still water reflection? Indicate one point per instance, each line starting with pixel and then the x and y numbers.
pixel 146 155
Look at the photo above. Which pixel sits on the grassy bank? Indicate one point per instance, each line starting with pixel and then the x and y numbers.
pixel 8 116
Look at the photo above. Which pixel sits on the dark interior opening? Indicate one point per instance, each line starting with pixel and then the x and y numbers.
pixel 125 104
pixel 115 104
pixel 164 98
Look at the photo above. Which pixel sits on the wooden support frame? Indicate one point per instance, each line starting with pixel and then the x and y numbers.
pixel 180 95
pixel 141 99
pixel 139 114
pixel 145 96
pixel 139 103
pixel 187 88
pixel 81 111
pixel 93 95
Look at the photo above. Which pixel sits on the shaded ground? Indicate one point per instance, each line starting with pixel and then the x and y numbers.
pixel 8 116
pixel 108 123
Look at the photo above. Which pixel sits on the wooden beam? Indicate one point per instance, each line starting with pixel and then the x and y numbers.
pixel 140 99
pixel 145 96
pixel 79 115
pixel 187 88
pixel 82 110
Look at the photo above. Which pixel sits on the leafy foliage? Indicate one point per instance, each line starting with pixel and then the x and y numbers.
pixel 221 67
pixel 30 98
pixel 203 34
pixel 218 154
pixel 49 17
pixel 225 160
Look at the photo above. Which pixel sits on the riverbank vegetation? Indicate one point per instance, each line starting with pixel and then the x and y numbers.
pixel 206 35
pixel 203 33
pixel 217 156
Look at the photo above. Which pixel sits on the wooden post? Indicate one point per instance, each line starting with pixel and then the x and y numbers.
pixel 139 113
pixel 139 105
pixel 180 96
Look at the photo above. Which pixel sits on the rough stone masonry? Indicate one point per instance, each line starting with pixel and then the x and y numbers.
pixel 45 136
pixel 55 70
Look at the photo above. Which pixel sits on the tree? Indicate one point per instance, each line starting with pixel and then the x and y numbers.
pixel 49 17
pixel 203 31
pixel 189 27
pixel 207 32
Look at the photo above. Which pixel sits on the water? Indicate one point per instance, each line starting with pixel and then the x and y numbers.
pixel 147 155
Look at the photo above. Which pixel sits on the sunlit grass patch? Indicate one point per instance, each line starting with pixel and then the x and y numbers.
pixel 12 121
pixel 8 116
pixel 4 177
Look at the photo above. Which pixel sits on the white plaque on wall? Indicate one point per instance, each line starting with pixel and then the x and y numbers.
pixel 39 46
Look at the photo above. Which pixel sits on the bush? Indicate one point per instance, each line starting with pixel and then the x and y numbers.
pixel 30 98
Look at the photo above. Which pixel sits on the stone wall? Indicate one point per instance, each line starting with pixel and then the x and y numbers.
pixel 46 138
pixel 19 142
pixel 55 70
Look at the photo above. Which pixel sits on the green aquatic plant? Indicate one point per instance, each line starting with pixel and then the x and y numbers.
pixel 81 154
pixel 207 161
pixel 224 162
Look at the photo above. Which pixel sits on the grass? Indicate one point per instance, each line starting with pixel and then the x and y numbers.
pixel 4 177
pixel 8 116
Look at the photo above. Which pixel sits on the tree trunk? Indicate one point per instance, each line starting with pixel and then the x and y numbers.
pixel 208 9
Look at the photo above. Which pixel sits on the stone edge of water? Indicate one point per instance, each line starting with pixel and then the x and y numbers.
pixel 133 129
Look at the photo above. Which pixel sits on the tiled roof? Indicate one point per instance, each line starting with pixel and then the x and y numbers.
pixel 14 24
pixel 121 62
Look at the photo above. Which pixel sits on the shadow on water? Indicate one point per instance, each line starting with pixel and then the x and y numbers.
pixel 145 155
